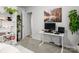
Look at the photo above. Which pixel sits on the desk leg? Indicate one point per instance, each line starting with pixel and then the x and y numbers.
pixel 42 42
pixel 62 45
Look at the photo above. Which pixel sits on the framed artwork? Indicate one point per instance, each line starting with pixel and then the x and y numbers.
pixel 54 15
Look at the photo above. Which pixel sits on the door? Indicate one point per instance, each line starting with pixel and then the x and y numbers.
pixel 29 18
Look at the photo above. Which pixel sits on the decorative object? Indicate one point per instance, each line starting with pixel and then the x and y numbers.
pixel 18 23
pixel 53 15
pixel 9 19
pixel 2 18
pixel 74 21
pixel 19 27
pixel 10 10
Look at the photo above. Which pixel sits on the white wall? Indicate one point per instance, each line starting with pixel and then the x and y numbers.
pixel 38 24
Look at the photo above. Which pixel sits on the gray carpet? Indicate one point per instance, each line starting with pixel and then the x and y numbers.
pixel 33 45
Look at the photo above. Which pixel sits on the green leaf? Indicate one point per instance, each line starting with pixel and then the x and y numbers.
pixel 74 21
pixel 10 10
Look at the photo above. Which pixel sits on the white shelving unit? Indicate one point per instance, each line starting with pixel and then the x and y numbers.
pixel 9 26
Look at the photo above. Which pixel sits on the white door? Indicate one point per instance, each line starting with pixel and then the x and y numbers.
pixel 27 30
pixel 29 16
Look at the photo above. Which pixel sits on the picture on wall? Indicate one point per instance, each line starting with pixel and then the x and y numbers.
pixel 54 15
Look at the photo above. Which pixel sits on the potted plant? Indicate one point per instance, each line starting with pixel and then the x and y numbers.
pixel 10 10
pixel 74 21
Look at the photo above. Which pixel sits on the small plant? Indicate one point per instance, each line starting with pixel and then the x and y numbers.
pixel 10 10
pixel 74 21
pixel 19 23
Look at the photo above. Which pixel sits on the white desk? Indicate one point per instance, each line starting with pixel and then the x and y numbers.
pixel 52 34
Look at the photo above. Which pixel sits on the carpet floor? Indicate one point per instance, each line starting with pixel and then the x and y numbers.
pixel 33 45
